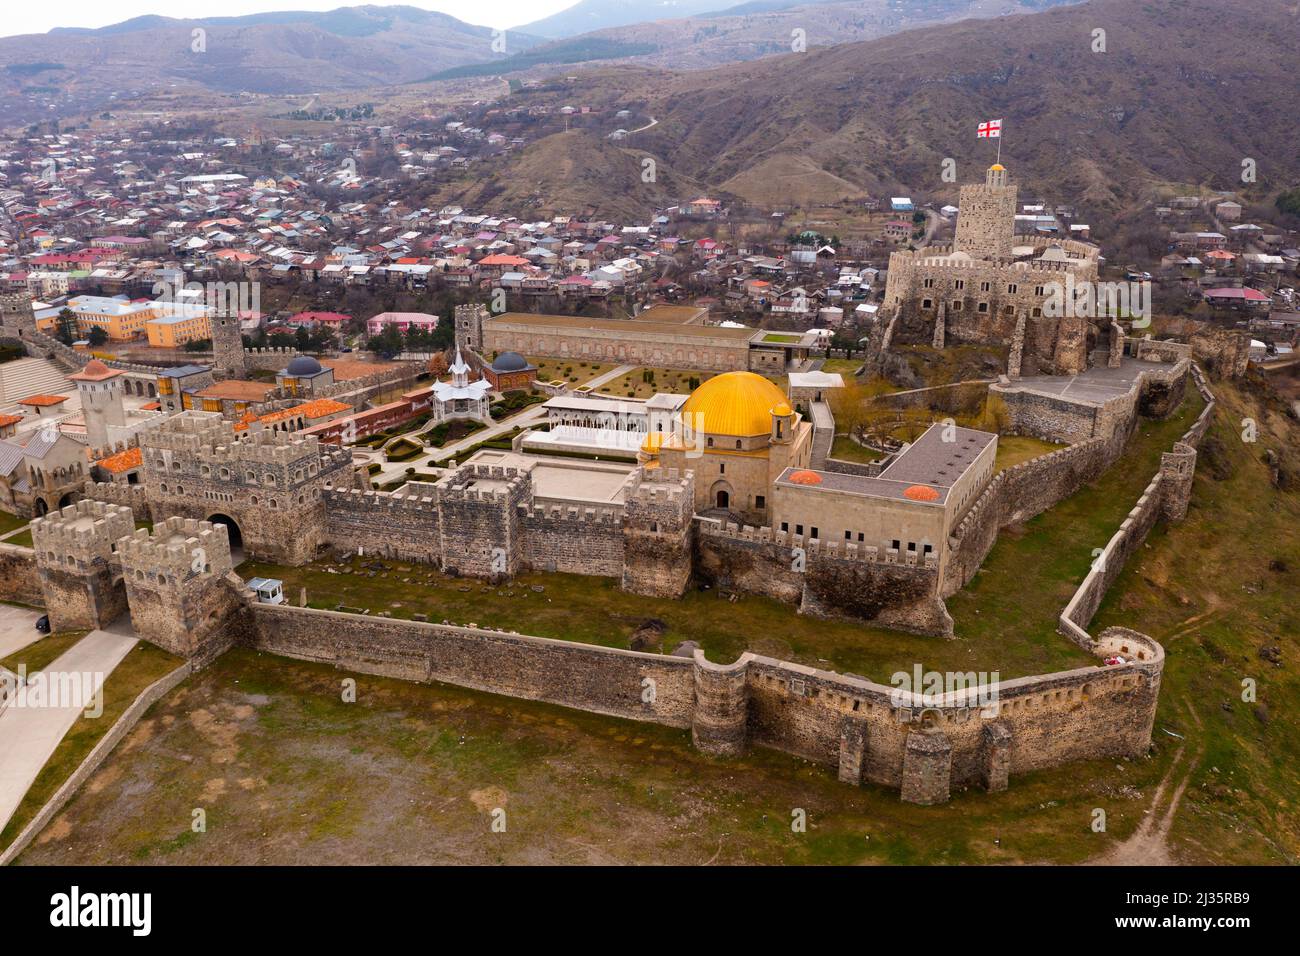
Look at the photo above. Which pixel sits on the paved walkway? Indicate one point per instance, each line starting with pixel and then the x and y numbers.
pixel 17 628
pixel 1098 384
pixel 28 735
pixel 531 415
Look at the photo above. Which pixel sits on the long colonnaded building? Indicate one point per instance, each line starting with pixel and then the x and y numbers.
pixel 662 336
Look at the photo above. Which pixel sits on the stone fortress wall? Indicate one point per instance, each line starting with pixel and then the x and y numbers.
pixel 936 300
pixel 869 732
pixel 182 594
pixel 1167 496
pixel 1097 431
pixel 269 482
pixel 825 578
pixel 485 522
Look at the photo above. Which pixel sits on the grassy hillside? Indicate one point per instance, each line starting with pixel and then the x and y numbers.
pixel 1098 127
pixel 1219 590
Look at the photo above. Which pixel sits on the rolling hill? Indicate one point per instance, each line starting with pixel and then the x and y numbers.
pixel 587 15
pixel 282 52
pixel 1182 94
pixel 746 32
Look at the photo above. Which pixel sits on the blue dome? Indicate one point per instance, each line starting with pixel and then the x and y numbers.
pixel 509 362
pixel 304 366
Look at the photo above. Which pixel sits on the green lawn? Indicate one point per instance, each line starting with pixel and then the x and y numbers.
pixel 1033 570
pixel 572 371
pixel 634 384
pixel 844 367
pixel 39 654
pixel 1014 449
pixel 142 665
pixel 10 522
pixel 846 449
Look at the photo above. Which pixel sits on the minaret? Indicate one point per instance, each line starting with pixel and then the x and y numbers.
pixel 101 401
pixel 986 220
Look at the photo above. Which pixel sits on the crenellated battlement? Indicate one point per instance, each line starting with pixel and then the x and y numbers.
pixel 660 485
pixel 492 484
pixel 362 499
pixel 558 514
pixel 176 550
pixel 80 533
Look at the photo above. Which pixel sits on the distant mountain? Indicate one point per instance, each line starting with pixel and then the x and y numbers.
pixel 1183 94
pixel 277 52
pixel 746 32
pixel 587 15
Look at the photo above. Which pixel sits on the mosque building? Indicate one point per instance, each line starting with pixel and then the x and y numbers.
pixel 738 433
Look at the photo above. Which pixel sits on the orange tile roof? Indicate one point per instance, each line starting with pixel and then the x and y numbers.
pixel 317 408
pixel 122 461
pixel 347 369
pixel 6 420
pixel 237 390
pixel 42 400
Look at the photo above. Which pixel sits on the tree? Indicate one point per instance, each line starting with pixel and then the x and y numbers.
pixel 322 339
pixel 96 337
pixel 387 343
pixel 68 327
pixel 851 407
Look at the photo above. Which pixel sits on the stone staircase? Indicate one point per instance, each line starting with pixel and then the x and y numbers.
pixel 31 376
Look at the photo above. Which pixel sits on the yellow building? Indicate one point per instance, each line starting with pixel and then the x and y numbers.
pixel 738 433
pixel 121 319
pixel 173 331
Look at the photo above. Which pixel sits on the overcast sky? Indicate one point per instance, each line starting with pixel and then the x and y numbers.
pixel 37 18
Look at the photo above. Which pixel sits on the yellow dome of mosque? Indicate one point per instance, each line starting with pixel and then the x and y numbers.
pixel 733 403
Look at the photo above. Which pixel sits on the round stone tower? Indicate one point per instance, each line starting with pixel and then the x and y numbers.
pixel 100 389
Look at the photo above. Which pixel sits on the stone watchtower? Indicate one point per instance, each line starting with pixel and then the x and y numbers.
pixel 181 586
pixel 1177 469
pixel 228 346
pixel 657 522
pixel 100 389
pixel 479 509
pixel 76 556
pixel 17 320
pixel 469 326
pixel 986 222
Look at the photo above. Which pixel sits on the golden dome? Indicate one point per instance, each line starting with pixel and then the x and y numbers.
pixel 806 477
pixel 652 442
pixel 997 167
pixel 733 403
pixel 782 410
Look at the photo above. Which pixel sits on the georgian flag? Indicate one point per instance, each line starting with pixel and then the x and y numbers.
pixel 991 129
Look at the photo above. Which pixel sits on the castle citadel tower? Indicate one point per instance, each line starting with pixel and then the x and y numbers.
pixel 987 220
pixel 228 345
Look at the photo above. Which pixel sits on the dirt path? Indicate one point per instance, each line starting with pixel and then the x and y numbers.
pixel 1149 844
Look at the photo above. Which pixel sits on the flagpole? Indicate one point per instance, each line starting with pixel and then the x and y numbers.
pixel 1001 127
